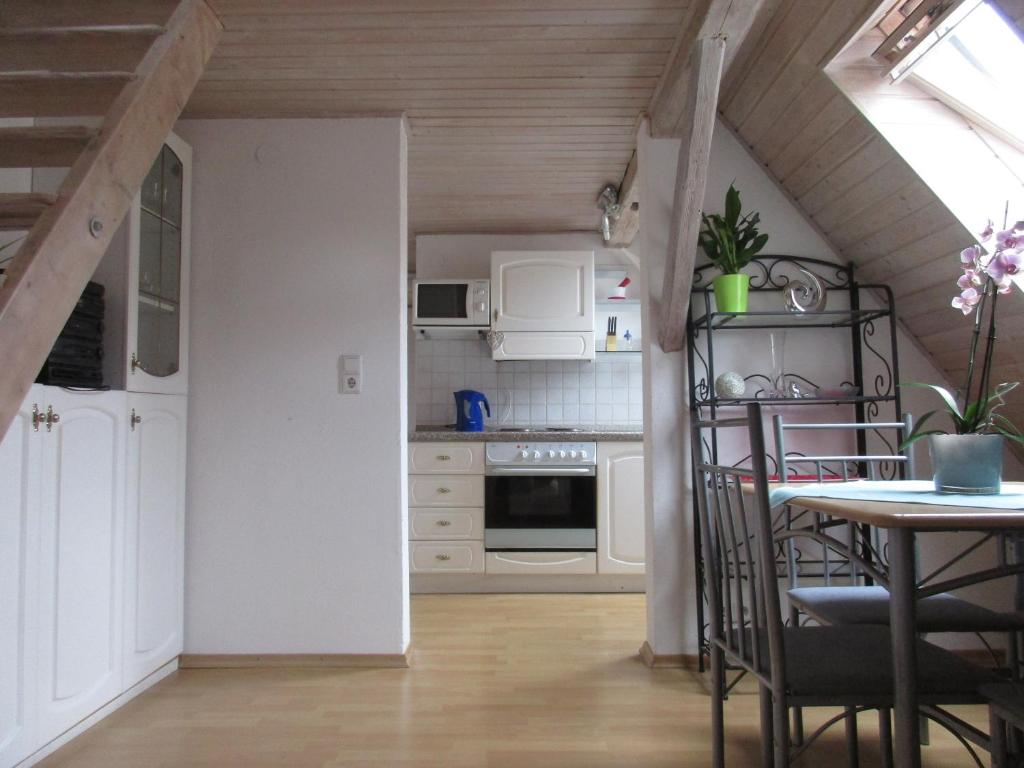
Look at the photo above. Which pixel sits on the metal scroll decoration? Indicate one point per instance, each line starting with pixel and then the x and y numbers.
pixel 882 386
pixel 767 272
pixel 807 295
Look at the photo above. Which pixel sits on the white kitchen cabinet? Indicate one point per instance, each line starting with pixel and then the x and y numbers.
pixel 154 533
pixel 20 489
pixel 159 236
pixel 446 490
pixel 620 508
pixel 555 345
pixel 542 291
pixel 80 558
pixel 441 524
pixel 446 458
pixel 541 563
pixel 446 557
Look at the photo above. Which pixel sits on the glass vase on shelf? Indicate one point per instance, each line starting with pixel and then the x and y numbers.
pixel 777 349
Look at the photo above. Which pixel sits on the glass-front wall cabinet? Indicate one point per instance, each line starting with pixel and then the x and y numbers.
pixel 158 311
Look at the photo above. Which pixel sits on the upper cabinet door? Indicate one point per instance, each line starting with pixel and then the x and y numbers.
pixel 20 487
pixel 159 234
pixel 542 291
pixel 155 533
pixel 81 558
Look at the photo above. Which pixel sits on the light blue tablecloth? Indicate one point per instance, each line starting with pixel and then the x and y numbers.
pixel 900 491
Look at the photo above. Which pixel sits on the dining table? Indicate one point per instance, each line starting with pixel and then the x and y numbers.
pixel 904 509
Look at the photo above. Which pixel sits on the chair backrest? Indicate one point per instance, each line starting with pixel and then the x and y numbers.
pixel 739 553
pixel 837 465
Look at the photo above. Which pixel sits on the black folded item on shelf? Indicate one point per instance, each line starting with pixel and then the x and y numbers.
pixel 81 326
pixel 76 359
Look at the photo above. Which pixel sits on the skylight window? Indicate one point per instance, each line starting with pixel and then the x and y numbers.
pixel 975 68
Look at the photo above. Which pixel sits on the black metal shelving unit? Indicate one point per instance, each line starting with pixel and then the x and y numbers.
pixel 773 273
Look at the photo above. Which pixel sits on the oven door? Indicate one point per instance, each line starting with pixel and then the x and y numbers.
pixel 538 508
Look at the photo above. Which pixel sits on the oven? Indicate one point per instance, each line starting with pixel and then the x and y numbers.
pixel 540 496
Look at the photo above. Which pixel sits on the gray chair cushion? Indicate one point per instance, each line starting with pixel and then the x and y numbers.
pixel 854 664
pixel 857 660
pixel 870 605
pixel 1007 699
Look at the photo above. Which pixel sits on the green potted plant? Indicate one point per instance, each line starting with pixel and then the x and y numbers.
pixel 730 242
pixel 971 459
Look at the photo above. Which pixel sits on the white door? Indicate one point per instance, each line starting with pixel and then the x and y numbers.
pixel 159 234
pixel 20 487
pixel 81 558
pixel 154 533
pixel 542 291
pixel 620 508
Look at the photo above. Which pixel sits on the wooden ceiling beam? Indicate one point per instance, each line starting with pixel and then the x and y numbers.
pixel 43 146
pixel 705 69
pixel 727 20
pixel 60 254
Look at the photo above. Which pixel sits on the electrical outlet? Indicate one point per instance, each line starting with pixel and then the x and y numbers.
pixel 350 374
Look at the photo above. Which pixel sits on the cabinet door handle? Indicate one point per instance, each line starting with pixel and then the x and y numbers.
pixel 134 419
pixel 51 418
pixel 444 490
pixel 443 457
pixel 444 523
pixel 37 418
pixel 443 557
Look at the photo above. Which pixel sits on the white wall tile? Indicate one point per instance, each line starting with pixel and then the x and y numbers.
pixel 527 393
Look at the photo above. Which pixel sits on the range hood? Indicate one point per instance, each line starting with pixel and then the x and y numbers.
pixel 542 305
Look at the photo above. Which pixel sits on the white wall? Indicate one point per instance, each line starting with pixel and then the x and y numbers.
pixel 671 588
pixel 297 510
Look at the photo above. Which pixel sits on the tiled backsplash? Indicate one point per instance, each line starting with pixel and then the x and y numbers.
pixel 537 393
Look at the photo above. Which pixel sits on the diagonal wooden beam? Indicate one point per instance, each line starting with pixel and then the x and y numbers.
pixel 706 65
pixel 728 20
pixel 64 247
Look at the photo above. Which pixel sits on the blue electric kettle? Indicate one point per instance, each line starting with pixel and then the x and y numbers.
pixel 467 406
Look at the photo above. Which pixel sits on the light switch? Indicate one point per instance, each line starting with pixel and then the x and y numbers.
pixel 350 374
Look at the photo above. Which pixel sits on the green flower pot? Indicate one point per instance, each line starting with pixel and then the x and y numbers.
pixel 731 292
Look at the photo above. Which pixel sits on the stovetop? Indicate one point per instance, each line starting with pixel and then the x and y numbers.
pixel 540 429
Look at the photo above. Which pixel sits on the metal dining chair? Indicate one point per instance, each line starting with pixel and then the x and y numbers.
pixel 857 602
pixel 795 666
pixel 1006 715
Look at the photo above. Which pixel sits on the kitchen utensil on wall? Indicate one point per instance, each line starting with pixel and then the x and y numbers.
pixel 809 295
pixel 619 292
pixel 467 407
pixel 611 344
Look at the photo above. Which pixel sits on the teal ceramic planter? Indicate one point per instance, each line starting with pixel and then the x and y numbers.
pixel 967 463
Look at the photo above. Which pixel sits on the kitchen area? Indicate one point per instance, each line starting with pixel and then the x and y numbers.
pixel 526 467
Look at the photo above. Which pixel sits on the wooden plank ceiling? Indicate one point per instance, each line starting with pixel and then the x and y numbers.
pixel 865 199
pixel 519 110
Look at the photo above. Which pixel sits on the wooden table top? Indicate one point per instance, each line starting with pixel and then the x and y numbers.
pixel 936 517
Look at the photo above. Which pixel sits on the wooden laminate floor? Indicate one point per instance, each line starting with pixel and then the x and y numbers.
pixel 497 680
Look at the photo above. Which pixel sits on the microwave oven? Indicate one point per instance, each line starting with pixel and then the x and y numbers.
pixel 463 303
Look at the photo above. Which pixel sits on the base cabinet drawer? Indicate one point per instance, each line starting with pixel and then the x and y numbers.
pixel 446 557
pixel 446 491
pixel 542 562
pixel 441 524
pixel 446 458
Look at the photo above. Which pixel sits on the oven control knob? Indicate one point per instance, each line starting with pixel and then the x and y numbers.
pixel 561 454
pixel 583 454
pixel 536 454
pixel 572 454
pixel 523 454
pixel 551 454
